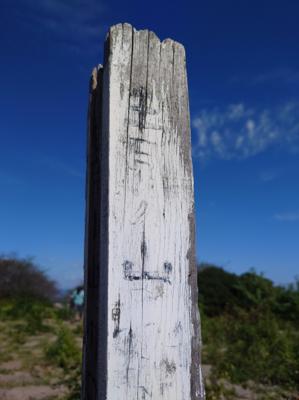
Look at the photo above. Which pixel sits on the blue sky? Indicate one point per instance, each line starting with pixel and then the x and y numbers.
pixel 243 69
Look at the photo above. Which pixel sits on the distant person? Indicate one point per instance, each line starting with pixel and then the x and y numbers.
pixel 77 301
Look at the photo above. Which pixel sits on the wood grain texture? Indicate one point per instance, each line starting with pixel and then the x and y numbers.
pixel 142 336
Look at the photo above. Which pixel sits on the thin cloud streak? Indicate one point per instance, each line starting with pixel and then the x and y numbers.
pixel 271 175
pixel 279 76
pixel 61 167
pixel 287 217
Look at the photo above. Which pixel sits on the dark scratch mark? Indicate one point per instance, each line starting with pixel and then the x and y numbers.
pixel 121 89
pixel 130 335
pixel 170 366
pixel 167 267
pixel 142 208
pixel 178 328
pixel 142 153
pixel 142 162
pixel 128 268
pixel 132 276
pixel 153 277
pixel 116 318
pixel 141 94
pixel 143 249
pixel 163 130
pixel 137 139
pixel 144 392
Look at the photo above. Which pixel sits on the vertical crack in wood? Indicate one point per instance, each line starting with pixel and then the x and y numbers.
pixel 130 339
pixel 128 120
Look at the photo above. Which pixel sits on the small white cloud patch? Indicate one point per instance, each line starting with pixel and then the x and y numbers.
pixel 240 132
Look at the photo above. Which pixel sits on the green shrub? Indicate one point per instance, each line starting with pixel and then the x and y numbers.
pixel 252 346
pixel 32 311
pixel 218 289
pixel 64 352
pixel 249 327
pixel 64 313
pixel 73 382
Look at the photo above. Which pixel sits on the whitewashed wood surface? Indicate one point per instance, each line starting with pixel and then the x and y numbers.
pixel 153 338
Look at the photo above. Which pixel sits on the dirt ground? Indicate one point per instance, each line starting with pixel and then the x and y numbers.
pixel 25 372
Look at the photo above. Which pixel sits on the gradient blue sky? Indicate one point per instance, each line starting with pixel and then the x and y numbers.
pixel 243 69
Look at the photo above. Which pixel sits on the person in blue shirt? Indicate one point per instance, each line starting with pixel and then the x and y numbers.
pixel 77 301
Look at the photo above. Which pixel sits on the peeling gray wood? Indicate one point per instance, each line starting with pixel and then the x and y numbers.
pixel 142 335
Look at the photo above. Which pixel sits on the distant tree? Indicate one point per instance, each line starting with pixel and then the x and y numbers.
pixel 23 278
pixel 218 289
pixel 287 303
pixel 221 291
pixel 256 291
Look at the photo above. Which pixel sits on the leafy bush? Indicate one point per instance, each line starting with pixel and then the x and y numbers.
pixel 31 311
pixel 64 352
pixel 251 331
pixel 286 306
pixel 223 292
pixel 64 313
pixel 218 289
pixel 252 347
pixel 73 382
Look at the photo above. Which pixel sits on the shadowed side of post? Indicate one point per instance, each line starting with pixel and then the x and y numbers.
pixel 95 335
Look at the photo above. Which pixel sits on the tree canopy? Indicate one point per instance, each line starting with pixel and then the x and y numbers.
pixel 23 278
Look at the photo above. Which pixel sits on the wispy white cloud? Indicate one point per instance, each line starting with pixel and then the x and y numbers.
pixel 278 76
pixel 270 175
pixel 76 24
pixel 287 217
pixel 237 131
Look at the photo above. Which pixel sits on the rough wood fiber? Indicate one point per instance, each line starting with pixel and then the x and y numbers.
pixel 142 337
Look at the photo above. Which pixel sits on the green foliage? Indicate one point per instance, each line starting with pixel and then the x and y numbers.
pixel 286 306
pixel 64 313
pixel 31 311
pixel 217 289
pixel 73 382
pixel 64 352
pixel 255 290
pixel 223 292
pixel 251 331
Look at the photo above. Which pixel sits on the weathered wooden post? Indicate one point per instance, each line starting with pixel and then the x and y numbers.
pixel 142 334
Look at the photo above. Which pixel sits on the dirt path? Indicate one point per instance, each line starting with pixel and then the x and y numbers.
pixel 24 372
pixel 16 383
